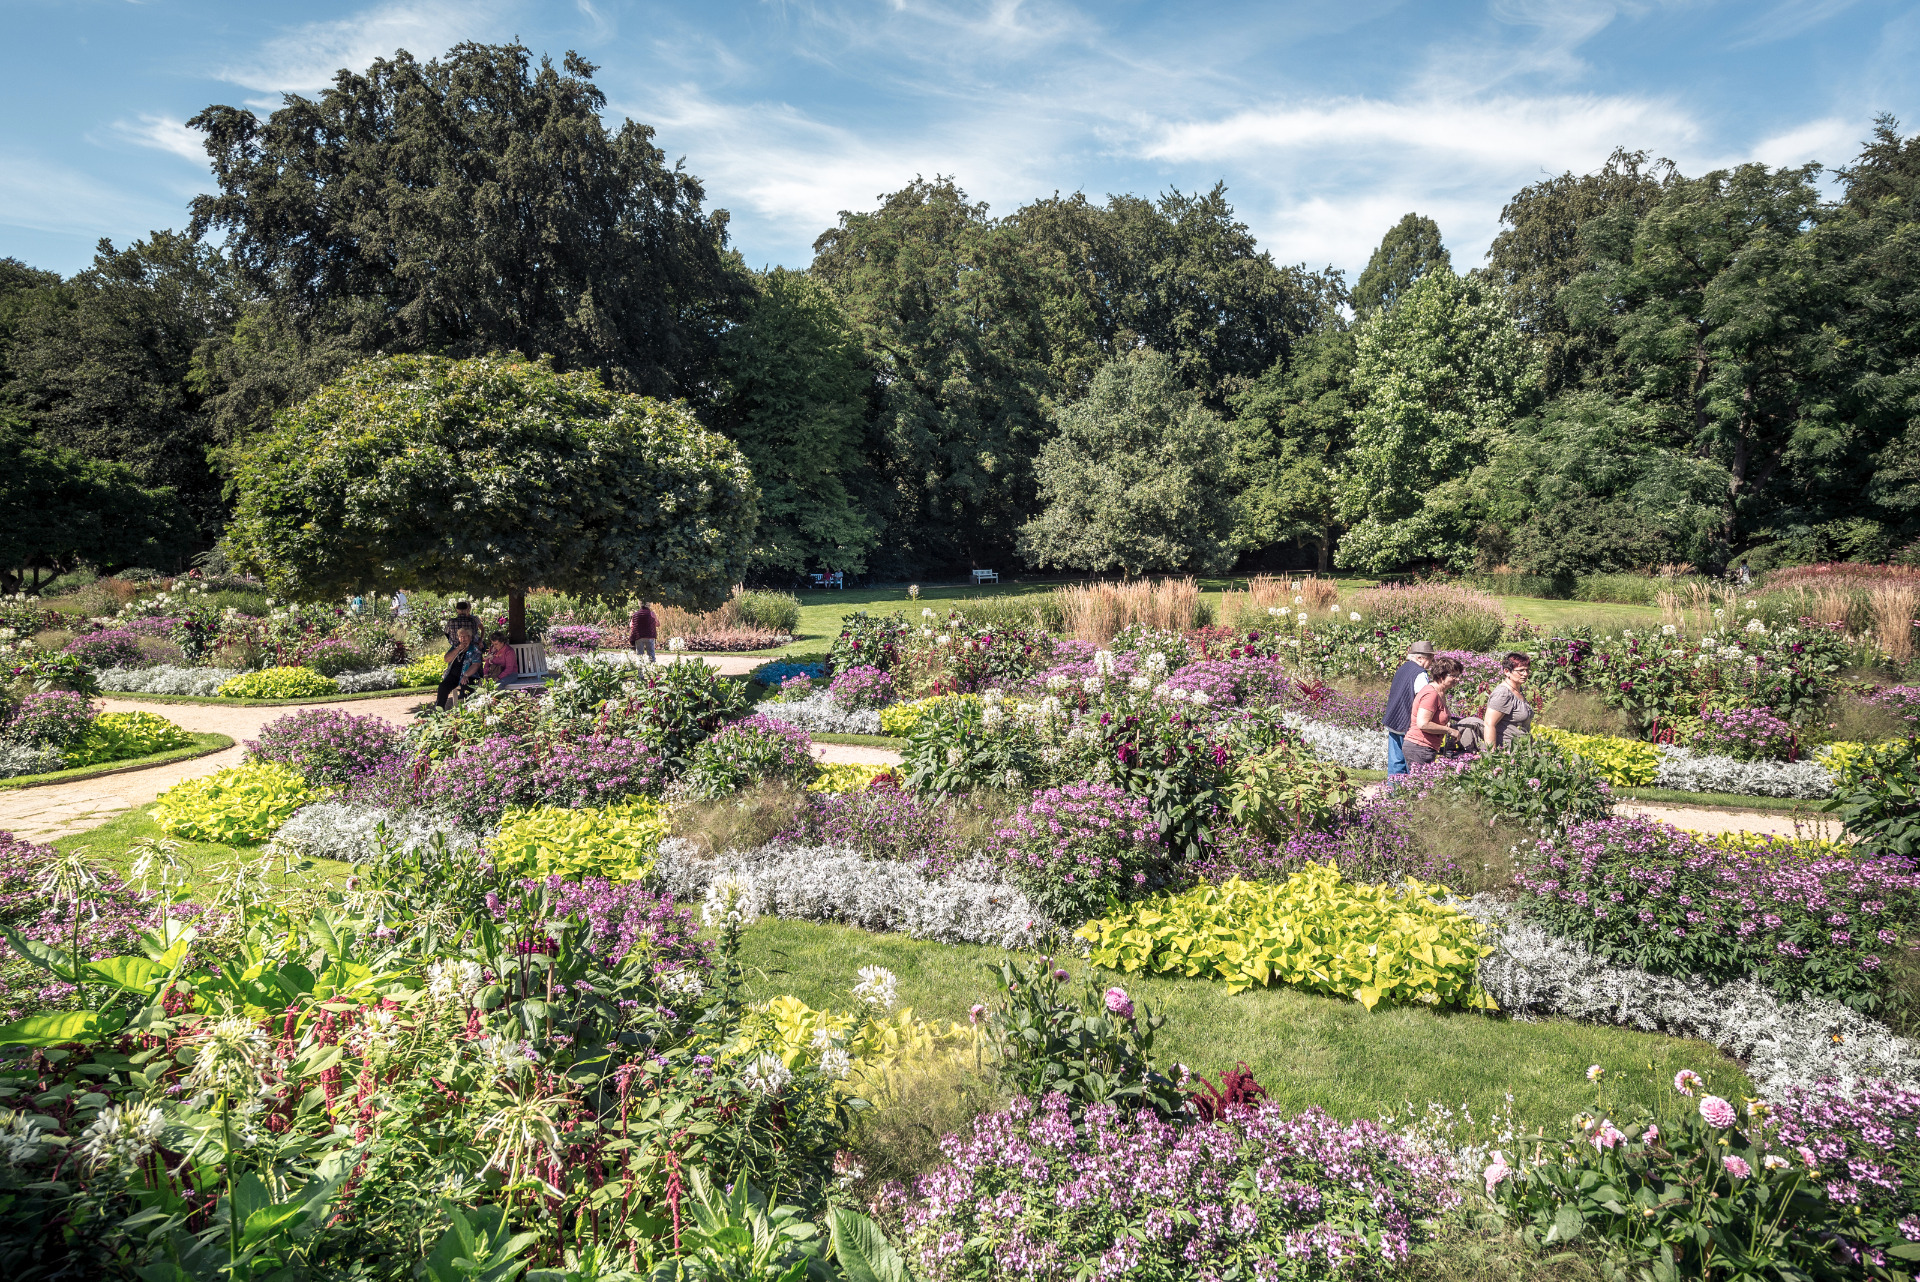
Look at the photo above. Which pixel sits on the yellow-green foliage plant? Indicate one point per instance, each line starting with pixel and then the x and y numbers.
pixel 280 683
pixel 901 719
pixel 239 806
pixel 1315 932
pixel 1624 763
pixel 871 1039
pixel 847 776
pixel 122 736
pixel 422 670
pixel 615 842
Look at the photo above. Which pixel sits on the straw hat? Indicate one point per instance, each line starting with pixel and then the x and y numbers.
pixel 1420 647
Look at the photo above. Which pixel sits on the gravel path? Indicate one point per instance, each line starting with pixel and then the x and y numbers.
pixel 1700 819
pixel 842 753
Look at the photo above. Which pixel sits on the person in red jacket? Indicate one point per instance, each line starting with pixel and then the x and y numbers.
pixel 645 630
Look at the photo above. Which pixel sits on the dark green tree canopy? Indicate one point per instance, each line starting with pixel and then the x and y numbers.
pixel 947 306
pixel 470 205
pixel 492 475
pixel 1135 479
pixel 793 396
pixel 1290 434
pixel 1410 249
pixel 1181 275
pixel 60 509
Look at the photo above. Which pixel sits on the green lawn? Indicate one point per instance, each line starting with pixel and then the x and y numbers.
pixel 111 843
pixel 1306 1050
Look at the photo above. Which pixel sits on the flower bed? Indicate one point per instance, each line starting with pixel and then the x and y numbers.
pixel 166 679
pixel 610 843
pixel 329 747
pixel 819 711
pixel 278 683
pixel 351 832
pixel 1641 893
pixel 108 648
pixel 239 806
pixel 1254 1193
pixel 748 750
pixel 1315 932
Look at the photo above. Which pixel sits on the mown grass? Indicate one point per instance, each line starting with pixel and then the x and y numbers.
pixel 203 744
pixel 1306 1050
pixel 111 845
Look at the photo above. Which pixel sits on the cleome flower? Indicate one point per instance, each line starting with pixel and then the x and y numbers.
pixel 877 987
pixel 767 1075
pixel 122 1135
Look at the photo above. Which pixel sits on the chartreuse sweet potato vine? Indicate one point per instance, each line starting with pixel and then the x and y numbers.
pixel 1392 944
pixel 617 842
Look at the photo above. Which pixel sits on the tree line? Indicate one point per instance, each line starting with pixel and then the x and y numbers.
pixel 1649 367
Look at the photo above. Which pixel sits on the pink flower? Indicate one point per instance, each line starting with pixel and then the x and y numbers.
pixel 1119 1003
pixel 1653 1133
pixel 1718 1113
pixel 1497 1171
pixel 1736 1167
pixel 1607 1136
pixel 1686 1080
pixel 975 1012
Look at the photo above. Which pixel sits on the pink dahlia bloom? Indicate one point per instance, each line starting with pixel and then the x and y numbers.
pixel 1737 1167
pixel 1119 1003
pixel 1718 1113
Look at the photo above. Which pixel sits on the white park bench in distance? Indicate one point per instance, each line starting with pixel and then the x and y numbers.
pixel 985 576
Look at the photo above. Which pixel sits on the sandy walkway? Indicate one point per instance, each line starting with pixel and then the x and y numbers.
pixel 841 753
pixel 57 809
pixel 1698 819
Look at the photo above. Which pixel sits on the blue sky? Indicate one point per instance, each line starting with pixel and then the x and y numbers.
pixel 1326 120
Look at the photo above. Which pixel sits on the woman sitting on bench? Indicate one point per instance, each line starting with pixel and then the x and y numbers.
pixel 501 663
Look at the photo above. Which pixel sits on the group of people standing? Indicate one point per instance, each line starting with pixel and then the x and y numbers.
pixel 1419 720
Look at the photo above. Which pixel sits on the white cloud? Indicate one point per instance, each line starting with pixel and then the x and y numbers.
pixel 53 198
pixel 1831 140
pixel 306 58
pixel 163 134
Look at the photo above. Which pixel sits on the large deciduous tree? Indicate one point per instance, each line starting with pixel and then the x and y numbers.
pixel 1135 479
pixel 492 475
pixel 1442 376
pixel 947 308
pixel 1409 251
pixel 473 204
pixel 60 509
pixel 793 396
pixel 1290 431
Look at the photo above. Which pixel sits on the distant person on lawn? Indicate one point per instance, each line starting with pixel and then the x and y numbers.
pixel 464 663
pixel 501 662
pixel 643 631
pixel 1408 681
pixel 1430 714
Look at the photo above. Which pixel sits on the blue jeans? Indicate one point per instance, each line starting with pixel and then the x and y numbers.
pixel 1396 754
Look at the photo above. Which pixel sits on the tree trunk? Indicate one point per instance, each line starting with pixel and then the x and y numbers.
pixel 517 616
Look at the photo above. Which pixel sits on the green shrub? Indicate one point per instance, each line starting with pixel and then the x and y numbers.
pixel 872 640
pixel 122 736
pixel 1314 932
pixel 239 806
pixel 1623 763
pixel 279 683
pixel 1096 1049
pixel 616 842
pixel 1536 784
pixel 1877 797
pixel 777 611
pixel 1286 790
pixel 423 670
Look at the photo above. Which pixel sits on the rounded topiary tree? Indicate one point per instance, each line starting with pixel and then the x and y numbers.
pixel 492 475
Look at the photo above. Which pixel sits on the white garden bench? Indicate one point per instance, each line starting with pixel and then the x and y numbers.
pixel 985 576
pixel 531 658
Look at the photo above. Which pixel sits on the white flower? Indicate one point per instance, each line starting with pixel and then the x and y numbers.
pixel 1334 609
pixel 377 1035
pixel 823 1038
pixel 1138 683
pixel 1667 630
pixel 954 756
pixel 992 715
pixel 682 985
pixel 926 612
pixel 447 980
pixel 1353 616
pixel 767 1075
pixel 1058 681
pixel 835 1063
pixel 876 987
pixel 1178 695
pixel 1757 627
pixel 227 1060
pixel 1050 708
pixel 943 639
pixel 1750 605
pixel 1201 697
pixel 1103 662
pixel 1303 616
pixel 1277 612
pixel 122 1135
pixel 20 1140
pixel 1719 614
pixel 1014 778
pixel 1091 685
pixel 1156 665
pixel 1299 600
pixel 505 1054
pixel 729 903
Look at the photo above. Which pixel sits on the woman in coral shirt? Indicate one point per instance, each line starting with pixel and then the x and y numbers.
pixel 1429 729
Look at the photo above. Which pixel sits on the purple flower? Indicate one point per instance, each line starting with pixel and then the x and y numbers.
pixel 1119 1003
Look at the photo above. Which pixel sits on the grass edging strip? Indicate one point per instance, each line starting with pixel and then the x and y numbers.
pixel 206 744
pixel 862 740
pixel 227 701
pixel 1717 800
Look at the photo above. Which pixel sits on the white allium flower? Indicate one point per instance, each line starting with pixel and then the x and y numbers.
pixel 876 987
pixel 122 1135
pixel 729 902
pixel 767 1075
pixel 835 1063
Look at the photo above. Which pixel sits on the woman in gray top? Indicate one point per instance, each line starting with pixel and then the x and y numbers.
pixel 1508 711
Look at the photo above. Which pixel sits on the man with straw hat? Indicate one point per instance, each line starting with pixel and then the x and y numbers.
pixel 1408 681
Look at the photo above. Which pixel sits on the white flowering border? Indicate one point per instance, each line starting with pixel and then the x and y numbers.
pixel 834 884
pixel 1782 1043
pixel 819 712
pixel 346 831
